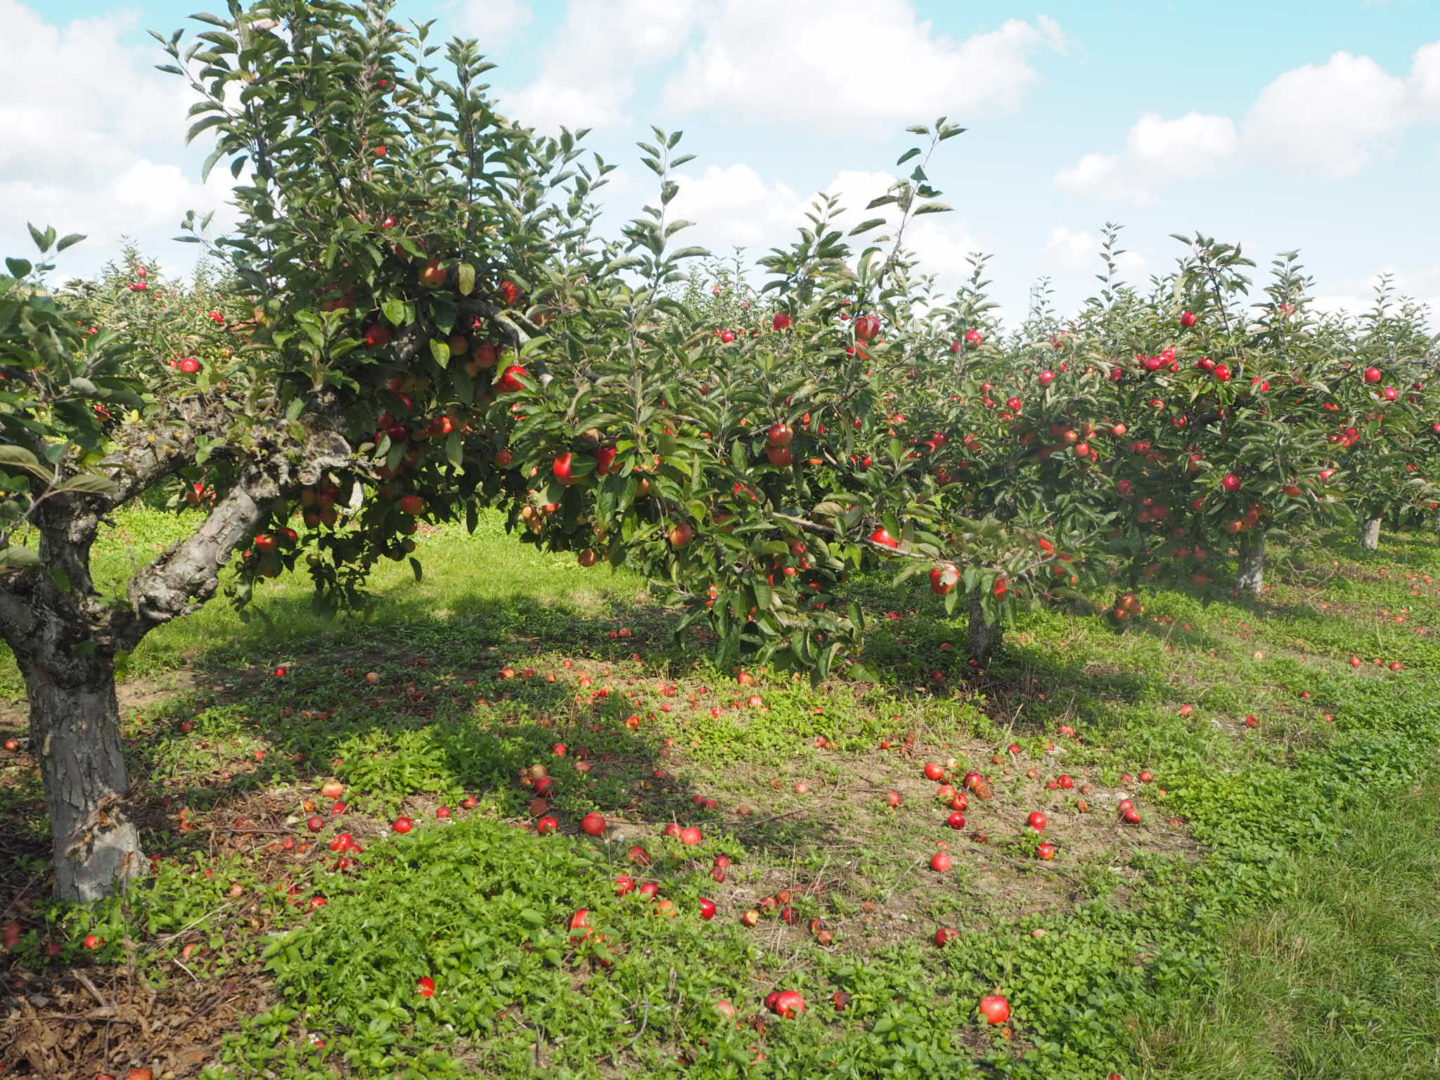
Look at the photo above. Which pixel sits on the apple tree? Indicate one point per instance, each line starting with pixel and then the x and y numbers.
pixel 1384 436
pixel 390 224
pixel 422 321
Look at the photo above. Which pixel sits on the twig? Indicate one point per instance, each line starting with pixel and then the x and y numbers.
pixel 85 982
pixel 187 926
pixel 773 817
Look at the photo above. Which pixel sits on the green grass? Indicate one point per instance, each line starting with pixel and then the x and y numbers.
pixel 495 585
pixel 1143 964
pixel 1337 981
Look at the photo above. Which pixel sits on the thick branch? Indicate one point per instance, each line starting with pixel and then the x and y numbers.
pixel 187 574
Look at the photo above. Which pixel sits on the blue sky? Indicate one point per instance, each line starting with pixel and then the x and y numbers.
pixel 1281 124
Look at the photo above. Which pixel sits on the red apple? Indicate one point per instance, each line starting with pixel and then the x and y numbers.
pixel 944 578
pixel 788 1004
pixel 941 862
pixel 403 824
pixel 995 1008
pixel 564 469
pixel 707 908
pixel 1037 821
pixel 593 824
pixel 510 379
pixel 882 536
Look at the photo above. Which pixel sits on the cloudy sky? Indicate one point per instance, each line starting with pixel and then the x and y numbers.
pixel 1310 124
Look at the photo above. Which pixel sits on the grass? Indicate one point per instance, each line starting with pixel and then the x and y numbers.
pixel 1339 979
pixel 1138 949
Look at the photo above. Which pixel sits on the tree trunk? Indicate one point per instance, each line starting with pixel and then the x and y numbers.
pixel 1252 563
pixel 1370 534
pixel 984 636
pixel 75 729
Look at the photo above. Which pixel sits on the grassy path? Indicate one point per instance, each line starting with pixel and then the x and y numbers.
pixel 1339 981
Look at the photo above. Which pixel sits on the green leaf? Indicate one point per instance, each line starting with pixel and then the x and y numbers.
pixel 17 455
pixel 19 267
pixel 89 484
pixel 932 208
pixel 18 556
pixel 204 125
pixel 415 568
pixel 397 312
pixel 466 279
pixel 866 226
pixel 69 241
pixel 440 350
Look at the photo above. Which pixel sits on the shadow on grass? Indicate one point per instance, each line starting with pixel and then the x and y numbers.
pixel 415 709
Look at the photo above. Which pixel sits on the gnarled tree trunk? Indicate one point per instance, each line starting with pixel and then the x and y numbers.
pixel 1370 534
pixel 75 727
pixel 1251 578
pixel 984 636
pixel 58 630
pixel 65 638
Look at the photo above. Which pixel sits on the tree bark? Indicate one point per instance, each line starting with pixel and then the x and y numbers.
pixel 1252 563
pixel 75 727
pixel 1370 534
pixel 984 636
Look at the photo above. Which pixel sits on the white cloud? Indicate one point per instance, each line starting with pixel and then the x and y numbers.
pixel 1423 86
pixel 1157 152
pixel 591 63
pixel 1356 295
pixel 785 63
pixel 1069 250
pixel 1331 118
pixel 734 205
pixel 492 23
pixel 89 126
pixel 837 63
pixel 1328 118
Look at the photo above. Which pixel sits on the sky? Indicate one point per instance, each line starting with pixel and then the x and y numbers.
pixel 1279 124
